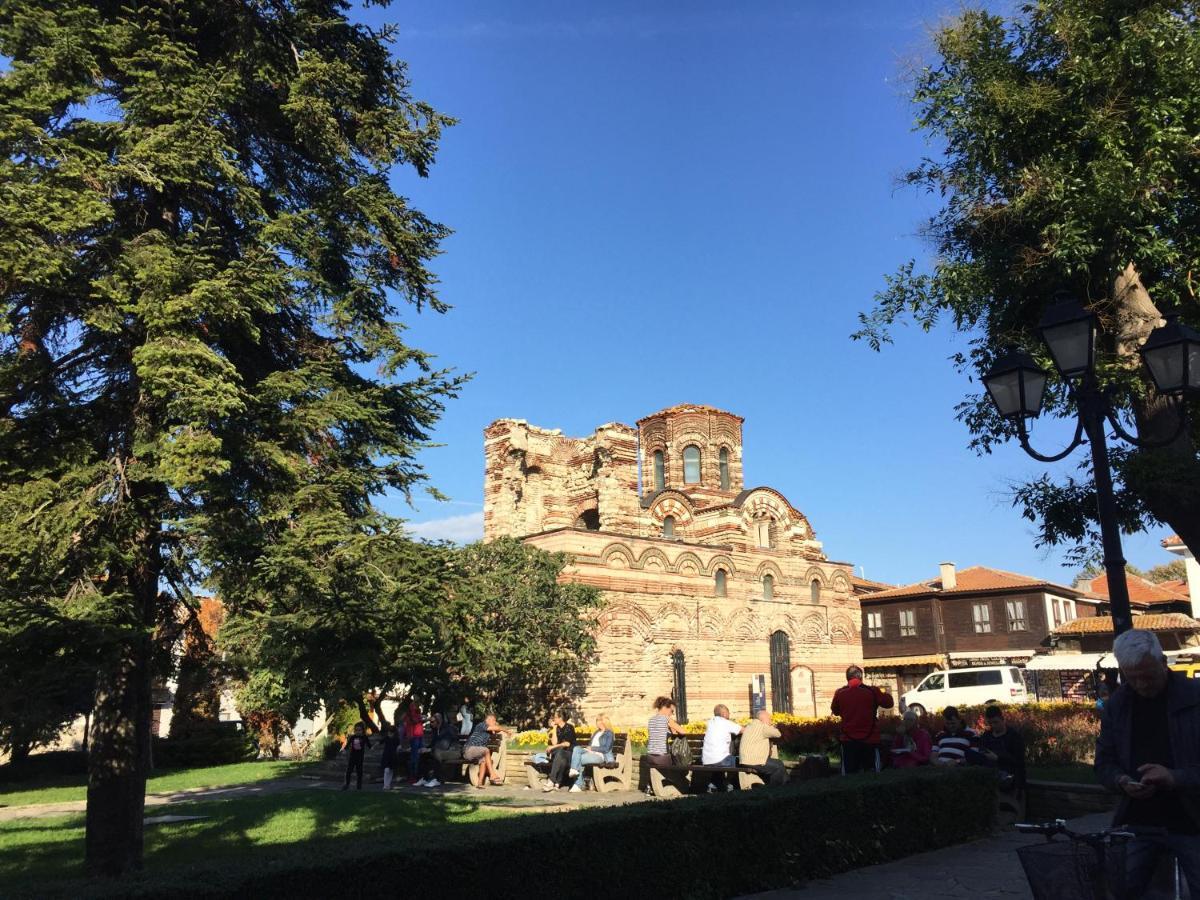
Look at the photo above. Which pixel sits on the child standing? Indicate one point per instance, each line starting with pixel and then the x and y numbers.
pixel 391 755
pixel 356 746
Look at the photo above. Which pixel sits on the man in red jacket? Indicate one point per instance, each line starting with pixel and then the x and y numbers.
pixel 856 703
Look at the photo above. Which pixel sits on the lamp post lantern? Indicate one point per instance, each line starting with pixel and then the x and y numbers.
pixel 1016 384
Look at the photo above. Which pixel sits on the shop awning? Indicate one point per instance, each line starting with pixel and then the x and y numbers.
pixel 1065 662
pixel 893 662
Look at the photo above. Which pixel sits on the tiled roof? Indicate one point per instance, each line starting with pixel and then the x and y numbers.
pixel 869 585
pixel 1140 590
pixel 1172 541
pixel 1149 622
pixel 1177 585
pixel 974 580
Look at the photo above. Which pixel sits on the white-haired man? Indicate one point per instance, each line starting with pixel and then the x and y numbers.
pixel 1149 752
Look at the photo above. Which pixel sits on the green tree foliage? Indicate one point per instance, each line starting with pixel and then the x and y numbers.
pixel 1068 159
pixel 399 618
pixel 1175 570
pixel 203 375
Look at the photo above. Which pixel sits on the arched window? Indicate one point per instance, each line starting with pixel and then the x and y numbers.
pixel 781 673
pixel 679 686
pixel 719 583
pixel 669 527
pixel 659 471
pixel 762 533
pixel 691 464
pixel 723 462
pixel 814 590
pixel 589 520
pixel 768 586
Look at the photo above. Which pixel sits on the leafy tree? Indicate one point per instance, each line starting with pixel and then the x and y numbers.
pixel 200 677
pixel 399 618
pixel 202 374
pixel 1175 570
pixel 1068 160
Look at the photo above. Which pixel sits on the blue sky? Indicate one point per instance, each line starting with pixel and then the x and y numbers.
pixel 657 203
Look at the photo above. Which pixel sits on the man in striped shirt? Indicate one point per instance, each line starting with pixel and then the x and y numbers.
pixel 951 746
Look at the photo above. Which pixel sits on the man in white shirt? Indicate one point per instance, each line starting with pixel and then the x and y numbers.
pixel 718 745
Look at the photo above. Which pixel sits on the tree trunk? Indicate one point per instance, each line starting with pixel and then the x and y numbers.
pixel 119 759
pixel 364 715
pixel 1166 478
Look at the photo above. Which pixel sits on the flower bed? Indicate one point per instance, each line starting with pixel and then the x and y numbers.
pixel 1055 733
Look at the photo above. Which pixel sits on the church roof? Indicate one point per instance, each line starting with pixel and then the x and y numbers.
pixel 688 408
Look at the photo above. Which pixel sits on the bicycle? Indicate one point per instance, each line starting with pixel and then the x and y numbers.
pixel 1084 867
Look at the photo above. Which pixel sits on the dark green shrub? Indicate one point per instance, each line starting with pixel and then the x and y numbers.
pixel 718 846
pixel 205 744
pixel 45 765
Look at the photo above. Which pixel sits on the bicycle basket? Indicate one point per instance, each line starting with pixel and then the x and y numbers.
pixel 1069 870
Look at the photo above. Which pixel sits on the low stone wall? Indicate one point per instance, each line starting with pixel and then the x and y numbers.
pixel 1065 799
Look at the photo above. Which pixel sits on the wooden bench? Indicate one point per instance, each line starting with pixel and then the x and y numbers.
pixel 497 746
pixel 606 777
pixel 669 781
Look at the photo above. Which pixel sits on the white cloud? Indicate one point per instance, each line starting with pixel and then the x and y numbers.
pixel 460 529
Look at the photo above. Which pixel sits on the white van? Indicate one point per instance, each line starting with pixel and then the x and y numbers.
pixel 966 687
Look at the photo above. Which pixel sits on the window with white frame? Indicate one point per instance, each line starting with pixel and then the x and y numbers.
pixel 874 625
pixel 1016 615
pixel 982 614
pixel 908 623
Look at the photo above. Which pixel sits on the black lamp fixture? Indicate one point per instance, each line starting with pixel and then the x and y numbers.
pixel 1172 354
pixel 1016 385
pixel 1069 332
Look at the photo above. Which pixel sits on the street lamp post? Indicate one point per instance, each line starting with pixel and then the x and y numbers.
pixel 1016 385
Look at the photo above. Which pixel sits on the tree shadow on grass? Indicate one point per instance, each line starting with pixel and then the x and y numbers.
pixel 44 856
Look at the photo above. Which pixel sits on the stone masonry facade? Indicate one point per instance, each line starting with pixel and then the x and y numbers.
pixel 708 584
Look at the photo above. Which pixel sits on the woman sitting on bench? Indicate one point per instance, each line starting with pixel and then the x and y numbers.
pixel 598 751
pixel 661 725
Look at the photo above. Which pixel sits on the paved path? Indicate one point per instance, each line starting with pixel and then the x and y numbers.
pixel 986 868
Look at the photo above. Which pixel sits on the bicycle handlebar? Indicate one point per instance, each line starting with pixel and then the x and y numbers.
pixel 1059 826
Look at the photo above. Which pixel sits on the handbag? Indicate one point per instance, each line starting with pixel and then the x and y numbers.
pixel 681 751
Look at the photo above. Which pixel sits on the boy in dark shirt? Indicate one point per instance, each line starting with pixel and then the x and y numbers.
pixel 356 748
pixel 1003 747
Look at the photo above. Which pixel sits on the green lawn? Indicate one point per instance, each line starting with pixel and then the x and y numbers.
pixel 66 789
pixel 37 853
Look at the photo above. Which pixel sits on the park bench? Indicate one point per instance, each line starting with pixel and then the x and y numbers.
pixel 667 781
pixel 497 746
pixel 606 777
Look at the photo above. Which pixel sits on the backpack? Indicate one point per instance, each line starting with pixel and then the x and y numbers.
pixel 681 751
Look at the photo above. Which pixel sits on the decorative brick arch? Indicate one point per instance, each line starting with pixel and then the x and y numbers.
pixel 841 584
pixel 625 620
pixel 721 561
pixel 712 624
pixel 812 630
pixel 744 625
pixel 815 573
pixel 653 553
pixel 672 503
pixel 670 611
pixel 617 552
pixel 768 567
pixel 841 630
pixel 686 559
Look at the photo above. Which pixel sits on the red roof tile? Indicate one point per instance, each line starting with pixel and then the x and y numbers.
pixel 1172 541
pixel 1141 590
pixel 1148 622
pixel 974 580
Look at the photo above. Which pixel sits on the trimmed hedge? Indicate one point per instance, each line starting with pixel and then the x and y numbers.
pixel 713 846
pixel 205 744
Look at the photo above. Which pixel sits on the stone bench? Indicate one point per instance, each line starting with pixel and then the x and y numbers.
pixel 497 747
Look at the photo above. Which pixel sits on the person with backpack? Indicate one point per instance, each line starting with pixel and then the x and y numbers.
pixel 661 724
pixel 858 704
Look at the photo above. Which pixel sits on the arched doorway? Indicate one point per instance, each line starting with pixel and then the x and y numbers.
pixel 781 673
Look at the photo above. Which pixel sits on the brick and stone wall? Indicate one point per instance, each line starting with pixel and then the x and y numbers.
pixel 582 497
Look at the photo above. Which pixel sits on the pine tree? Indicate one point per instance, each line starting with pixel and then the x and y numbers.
pixel 202 269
